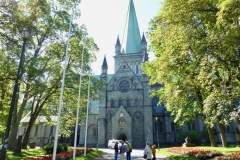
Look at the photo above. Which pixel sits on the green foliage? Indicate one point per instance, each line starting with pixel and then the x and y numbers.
pixel 60 148
pixel 65 147
pixel 196 137
pixel 196 44
pixel 41 72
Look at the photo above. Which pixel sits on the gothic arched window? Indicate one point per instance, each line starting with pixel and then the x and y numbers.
pixel 158 125
pixel 155 101
pixel 128 103
pixel 120 102
pixel 136 102
pixel 112 103
pixel 95 132
pixel 191 127
pixel 110 116
pixel 137 69
pixel 172 127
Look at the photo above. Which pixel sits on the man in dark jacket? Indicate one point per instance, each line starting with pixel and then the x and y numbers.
pixel 116 150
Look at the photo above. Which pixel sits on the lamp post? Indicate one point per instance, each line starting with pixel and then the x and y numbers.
pixel 157 131
pixel 25 34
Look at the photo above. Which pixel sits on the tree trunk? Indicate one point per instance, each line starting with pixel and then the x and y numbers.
pixel 212 137
pixel 222 133
pixel 28 131
pixel 15 122
pixel 35 112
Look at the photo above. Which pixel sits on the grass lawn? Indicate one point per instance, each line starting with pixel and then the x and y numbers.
pixel 26 153
pixel 90 156
pixel 229 150
pixel 39 152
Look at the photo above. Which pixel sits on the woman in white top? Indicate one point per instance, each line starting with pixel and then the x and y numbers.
pixel 148 151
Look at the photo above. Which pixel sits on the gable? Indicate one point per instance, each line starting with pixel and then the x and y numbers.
pixel 124 79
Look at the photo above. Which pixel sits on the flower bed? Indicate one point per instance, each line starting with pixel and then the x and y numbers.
pixel 195 152
pixel 233 156
pixel 62 155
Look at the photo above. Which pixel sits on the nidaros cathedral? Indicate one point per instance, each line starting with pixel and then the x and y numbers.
pixel 126 111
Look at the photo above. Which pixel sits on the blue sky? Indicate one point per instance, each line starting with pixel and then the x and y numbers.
pixel 105 20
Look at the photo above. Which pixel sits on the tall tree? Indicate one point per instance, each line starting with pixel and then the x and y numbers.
pixel 187 39
pixel 41 74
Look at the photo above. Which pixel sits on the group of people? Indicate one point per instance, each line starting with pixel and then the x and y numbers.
pixel 122 149
pixel 149 151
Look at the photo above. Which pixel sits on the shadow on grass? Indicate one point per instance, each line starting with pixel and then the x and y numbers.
pixel 179 157
pixel 90 155
pixel 25 153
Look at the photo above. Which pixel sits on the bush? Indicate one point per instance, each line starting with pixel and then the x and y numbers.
pixel 60 148
pixel 65 147
pixel 196 137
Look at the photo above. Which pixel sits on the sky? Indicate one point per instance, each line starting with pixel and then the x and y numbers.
pixel 105 20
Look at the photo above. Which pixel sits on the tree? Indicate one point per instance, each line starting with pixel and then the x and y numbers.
pixel 41 73
pixel 193 63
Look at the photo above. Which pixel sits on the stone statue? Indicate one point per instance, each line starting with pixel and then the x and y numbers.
pixel 188 142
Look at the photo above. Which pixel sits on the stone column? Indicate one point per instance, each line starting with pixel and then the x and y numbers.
pixel 148 128
pixel 101 132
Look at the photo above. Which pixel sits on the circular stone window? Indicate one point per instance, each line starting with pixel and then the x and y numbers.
pixel 124 86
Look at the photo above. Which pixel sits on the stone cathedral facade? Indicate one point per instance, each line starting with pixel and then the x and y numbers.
pixel 126 111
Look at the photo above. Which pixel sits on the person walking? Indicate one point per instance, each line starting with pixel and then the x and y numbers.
pixel 154 152
pixel 122 151
pixel 128 150
pixel 116 150
pixel 148 151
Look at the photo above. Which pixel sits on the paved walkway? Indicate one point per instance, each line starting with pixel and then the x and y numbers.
pixel 136 154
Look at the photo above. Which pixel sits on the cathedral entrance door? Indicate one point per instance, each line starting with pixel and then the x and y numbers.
pixel 122 137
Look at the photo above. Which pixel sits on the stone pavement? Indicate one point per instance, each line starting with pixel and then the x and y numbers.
pixel 136 155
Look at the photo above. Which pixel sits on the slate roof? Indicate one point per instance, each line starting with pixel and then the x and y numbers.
pixel 133 35
pixel 40 119
pixel 109 77
pixel 93 107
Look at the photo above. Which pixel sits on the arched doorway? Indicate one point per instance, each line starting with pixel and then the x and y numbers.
pixel 122 137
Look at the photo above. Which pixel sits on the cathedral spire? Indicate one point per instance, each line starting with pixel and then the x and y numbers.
pixel 133 34
pixel 118 46
pixel 104 65
pixel 144 48
pixel 104 69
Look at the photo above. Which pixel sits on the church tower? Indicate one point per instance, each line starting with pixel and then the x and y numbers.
pixel 125 108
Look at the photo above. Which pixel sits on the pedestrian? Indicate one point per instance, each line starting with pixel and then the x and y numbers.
pixel 116 150
pixel 154 152
pixel 122 151
pixel 128 150
pixel 148 151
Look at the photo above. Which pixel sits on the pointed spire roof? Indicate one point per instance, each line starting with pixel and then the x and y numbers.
pixel 123 51
pixel 143 38
pixel 118 41
pixel 133 34
pixel 104 62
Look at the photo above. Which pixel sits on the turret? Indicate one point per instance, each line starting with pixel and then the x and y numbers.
pixel 118 46
pixel 144 48
pixel 104 69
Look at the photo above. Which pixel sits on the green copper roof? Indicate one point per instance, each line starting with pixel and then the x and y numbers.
pixel 133 34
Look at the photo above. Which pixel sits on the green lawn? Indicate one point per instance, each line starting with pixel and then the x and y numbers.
pixel 26 153
pixel 90 156
pixel 39 152
pixel 229 150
